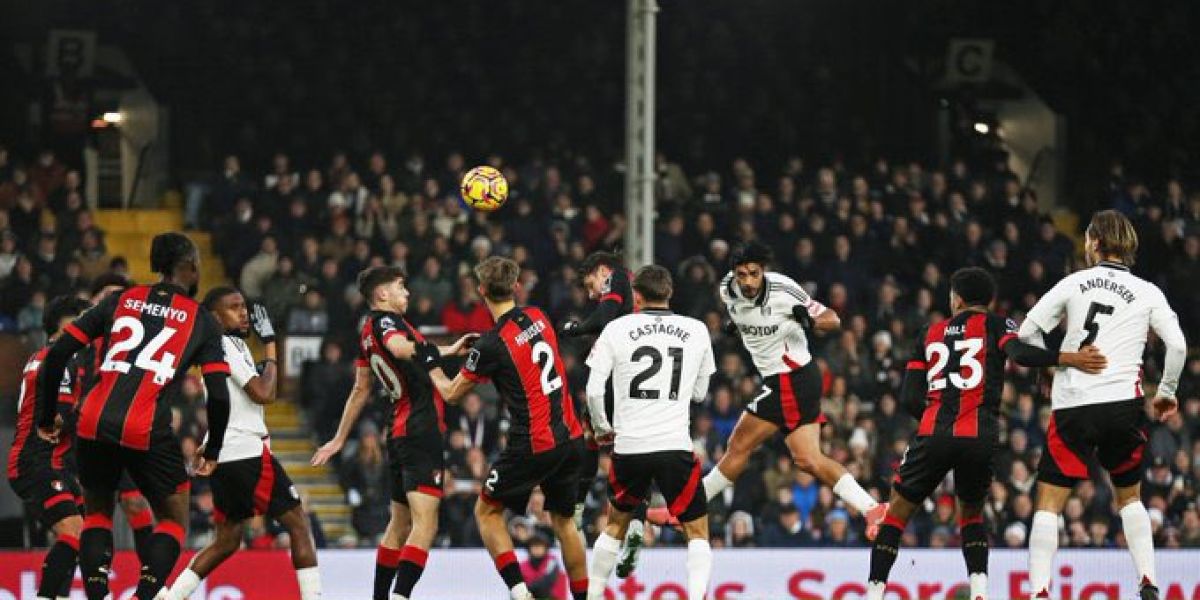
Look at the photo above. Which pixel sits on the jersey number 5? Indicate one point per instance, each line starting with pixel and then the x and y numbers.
pixel 939 354
pixel 1090 325
pixel 163 367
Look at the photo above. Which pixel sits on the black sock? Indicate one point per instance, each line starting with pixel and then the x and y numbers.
pixel 408 572
pixel 162 551
pixel 386 562
pixel 59 566
pixel 95 560
pixel 639 513
pixel 510 569
pixel 975 548
pixel 884 551
pixel 141 537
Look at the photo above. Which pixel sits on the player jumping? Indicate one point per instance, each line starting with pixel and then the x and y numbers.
pixel 520 357
pixel 249 481
pixel 388 346
pixel 39 471
pixel 154 334
pixel 770 312
pixel 953 386
pixel 660 363
pixel 1102 415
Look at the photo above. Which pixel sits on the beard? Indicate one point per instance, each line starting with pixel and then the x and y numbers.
pixel 242 332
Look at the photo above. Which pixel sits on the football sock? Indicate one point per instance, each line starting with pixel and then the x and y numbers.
pixel 309 579
pixel 184 585
pixel 699 568
pixel 848 489
pixel 1139 536
pixel 510 571
pixel 408 571
pixel 715 483
pixel 975 545
pixel 95 555
pixel 58 566
pixel 885 548
pixel 1043 543
pixel 979 590
pixel 604 559
pixel 579 589
pixel 162 551
pixel 875 590
pixel 386 562
pixel 142 524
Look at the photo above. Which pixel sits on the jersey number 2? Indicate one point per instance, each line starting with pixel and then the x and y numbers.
pixel 163 368
pixel 939 354
pixel 543 355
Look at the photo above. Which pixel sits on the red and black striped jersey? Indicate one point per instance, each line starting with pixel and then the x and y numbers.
pixel 29 452
pixel 417 407
pixel 152 334
pixel 520 357
pixel 963 361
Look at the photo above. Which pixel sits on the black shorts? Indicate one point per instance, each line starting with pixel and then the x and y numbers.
pixel 514 475
pixel 252 487
pixel 790 400
pixel 126 488
pixel 928 458
pixel 1114 433
pixel 51 495
pixel 416 465
pixel 677 474
pixel 158 472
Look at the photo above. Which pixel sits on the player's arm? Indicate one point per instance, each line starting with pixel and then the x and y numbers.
pixel 810 313
pixel 354 405
pixel 1165 324
pixel 476 369
pixel 915 387
pixel 405 349
pixel 452 390
pixel 605 312
pixel 215 371
pixel 708 366
pixel 89 326
pixel 1044 316
pixel 260 388
pixel 600 363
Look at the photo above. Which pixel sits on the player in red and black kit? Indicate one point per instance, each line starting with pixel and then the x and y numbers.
pixel 153 334
pixel 133 503
pixel 520 357
pixel 390 347
pixel 953 387
pixel 42 473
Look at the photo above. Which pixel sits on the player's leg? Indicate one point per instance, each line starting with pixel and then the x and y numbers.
pixel 921 470
pixel 605 550
pixel 387 555
pixel 423 506
pixel 748 434
pixel 972 478
pixel 1060 467
pixel 628 482
pixel 1139 536
pixel 304 551
pixel 699 557
pixel 1043 535
pixel 233 484
pixel 589 466
pixel 509 484
pixel 137 512
pixel 160 474
pixel 559 487
pixel 886 545
pixel 226 540
pixel 677 475
pixel 99 471
pixel 59 565
pixel 489 515
pixel 1121 449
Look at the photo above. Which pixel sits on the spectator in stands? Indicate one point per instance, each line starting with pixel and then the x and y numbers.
pixel 366 477
pixel 260 268
pixel 466 314
pixel 310 317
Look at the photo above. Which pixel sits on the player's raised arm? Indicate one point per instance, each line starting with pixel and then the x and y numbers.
pixel 474 370
pixel 1165 324
pixel 810 313
pixel 354 404
pixel 260 388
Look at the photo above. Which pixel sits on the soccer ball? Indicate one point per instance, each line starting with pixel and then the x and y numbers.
pixel 484 188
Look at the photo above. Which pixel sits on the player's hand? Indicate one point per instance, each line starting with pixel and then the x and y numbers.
pixel 204 466
pixel 1162 408
pixel 52 433
pixel 800 313
pixel 603 437
pixel 463 344
pixel 1087 359
pixel 260 321
pixel 427 355
pixel 326 452
pixel 730 328
pixel 569 328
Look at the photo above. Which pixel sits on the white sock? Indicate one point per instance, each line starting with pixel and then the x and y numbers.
pixel 979 586
pixel 396 596
pixel 875 590
pixel 310 583
pixel 520 592
pixel 604 560
pixel 1043 543
pixel 184 585
pixel 715 483
pixel 848 489
pixel 699 568
pixel 1139 536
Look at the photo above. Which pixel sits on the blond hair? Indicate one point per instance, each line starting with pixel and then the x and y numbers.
pixel 1114 235
pixel 497 275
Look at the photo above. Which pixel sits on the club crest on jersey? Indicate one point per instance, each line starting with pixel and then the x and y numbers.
pixel 437 478
pixel 294 493
pixel 57 485
pixel 387 323
pixel 472 360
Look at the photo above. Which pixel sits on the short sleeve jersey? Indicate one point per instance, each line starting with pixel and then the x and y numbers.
pixel 417 407
pixel 246 434
pixel 776 341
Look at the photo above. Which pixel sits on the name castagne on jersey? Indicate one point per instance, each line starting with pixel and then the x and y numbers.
pixel 1108 285
pixel 156 310
pixel 641 331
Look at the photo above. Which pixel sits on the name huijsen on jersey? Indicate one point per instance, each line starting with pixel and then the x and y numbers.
pixel 526 335
pixel 156 310
pixel 1108 285
pixel 641 331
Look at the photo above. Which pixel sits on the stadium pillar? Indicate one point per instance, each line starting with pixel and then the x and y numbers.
pixel 639 132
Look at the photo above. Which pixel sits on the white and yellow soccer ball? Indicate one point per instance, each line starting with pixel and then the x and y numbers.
pixel 484 188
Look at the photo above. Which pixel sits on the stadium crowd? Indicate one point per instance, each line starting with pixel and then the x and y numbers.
pixel 877 244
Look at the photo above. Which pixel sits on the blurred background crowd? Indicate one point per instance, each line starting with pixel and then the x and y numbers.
pixel 876 242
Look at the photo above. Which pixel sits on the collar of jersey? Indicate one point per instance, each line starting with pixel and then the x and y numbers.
pixel 1112 265
pixel 657 311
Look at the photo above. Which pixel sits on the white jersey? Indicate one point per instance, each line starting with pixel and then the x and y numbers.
pixel 1108 307
pixel 660 363
pixel 246 434
pixel 774 338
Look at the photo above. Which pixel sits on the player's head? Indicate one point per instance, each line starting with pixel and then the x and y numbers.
pixel 174 256
pixel 107 284
pixel 229 307
pixel 1110 236
pixel 61 311
pixel 652 286
pixel 971 286
pixel 383 288
pixel 750 260
pixel 497 278
pixel 595 270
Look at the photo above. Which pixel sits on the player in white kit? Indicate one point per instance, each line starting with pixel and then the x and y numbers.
pixel 660 363
pixel 248 480
pixel 770 312
pixel 1102 415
